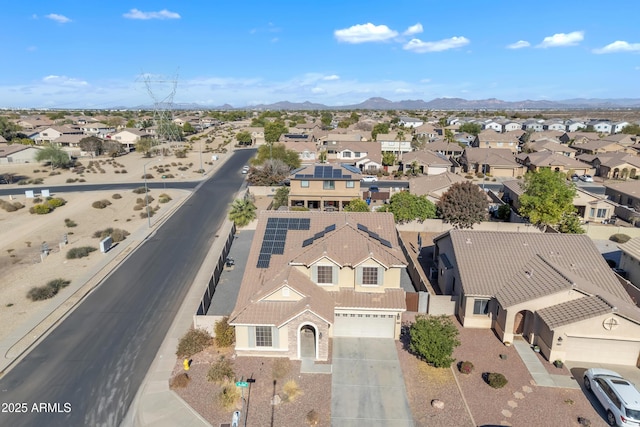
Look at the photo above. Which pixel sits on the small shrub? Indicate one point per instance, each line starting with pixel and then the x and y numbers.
pixel 101 204
pixel 116 234
pixel 179 381
pixel 194 341
pixel 620 238
pixel 312 418
pixel 221 371
pixel 138 207
pixel 280 368
pixel 116 196
pixel 140 190
pixel 80 252
pixel 496 380
pixel 469 176
pixel 56 202
pixel 37 200
pixel 47 291
pixel 466 367
pixel 147 176
pixel 123 171
pixel 71 180
pixel 181 154
pixel 225 334
pixel 298 208
pixel 40 209
pixel 164 198
pixel 228 396
pixel 69 223
pixel 291 391
pixel 9 207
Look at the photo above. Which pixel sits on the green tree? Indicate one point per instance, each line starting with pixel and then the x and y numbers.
pixel 273 130
pixel 357 205
pixel 463 205
pixel 244 138
pixel 91 144
pixel 326 118
pixel 471 128
pixel 388 158
pixel 271 172
pixel 277 152
pixel 547 197
pixel 144 146
pixel 570 224
pixel 8 130
pixel 408 207
pixel 378 129
pixel 56 156
pixel 188 128
pixel 242 212
pixel 449 136
pixel 633 129
pixel 434 338
pixel 131 123
pixel 281 197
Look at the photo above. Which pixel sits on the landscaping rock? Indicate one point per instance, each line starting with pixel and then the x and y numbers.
pixel 276 400
pixel 438 404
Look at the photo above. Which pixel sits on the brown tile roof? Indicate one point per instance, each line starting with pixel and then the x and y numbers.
pixel 487 260
pixel 549 145
pixel 424 185
pixel 341 243
pixel 391 299
pixel 9 149
pixel 490 156
pixel 549 159
pixel 425 157
pixel 630 188
pixel 490 135
pixel 574 311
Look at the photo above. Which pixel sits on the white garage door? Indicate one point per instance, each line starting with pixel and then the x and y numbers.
pixel 605 351
pixel 364 325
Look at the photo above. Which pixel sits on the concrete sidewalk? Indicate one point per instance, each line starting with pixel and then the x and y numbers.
pixel 537 370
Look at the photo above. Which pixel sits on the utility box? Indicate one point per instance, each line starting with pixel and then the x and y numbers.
pixel 105 244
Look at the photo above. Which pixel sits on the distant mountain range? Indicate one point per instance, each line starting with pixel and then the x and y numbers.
pixel 434 104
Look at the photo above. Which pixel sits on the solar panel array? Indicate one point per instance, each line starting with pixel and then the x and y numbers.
pixel 352 169
pixel 275 236
pixel 375 236
pixel 318 235
pixel 324 172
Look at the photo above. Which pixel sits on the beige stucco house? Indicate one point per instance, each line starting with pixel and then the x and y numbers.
pixel 312 276
pixel 326 187
pixel 554 290
pixel 498 162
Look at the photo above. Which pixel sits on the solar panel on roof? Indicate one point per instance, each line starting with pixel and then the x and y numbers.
pixel 304 223
pixel 337 173
pixel 317 172
pixel 330 228
pixel 307 242
pixel 318 235
pixel 374 235
pixel 271 222
pixel 386 243
pixel 346 176
pixel 362 227
pixel 351 168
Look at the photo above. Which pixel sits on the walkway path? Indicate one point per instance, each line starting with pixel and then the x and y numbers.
pixel 537 370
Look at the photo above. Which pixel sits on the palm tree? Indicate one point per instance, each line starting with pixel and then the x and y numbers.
pixel 242 212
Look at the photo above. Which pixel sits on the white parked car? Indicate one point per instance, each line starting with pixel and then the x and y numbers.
pixel 586 178
pixel 619 397
pixel 245 169
pixel 369 178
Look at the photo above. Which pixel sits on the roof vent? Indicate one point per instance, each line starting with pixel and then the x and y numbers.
pixel 468 241
pixel 528 274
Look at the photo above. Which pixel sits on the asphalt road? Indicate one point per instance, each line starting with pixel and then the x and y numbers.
pixel 87 371
pixel 187 185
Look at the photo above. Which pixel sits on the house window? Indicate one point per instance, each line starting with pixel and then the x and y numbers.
pixel 263 336
pixel 592 212
pixel 346 154
pixel 602 213
pixel 351 184
pixel 369 275
pixel 357 154
pixel 481 306
pixel 304 184
pixel 329 185
pixel 325 274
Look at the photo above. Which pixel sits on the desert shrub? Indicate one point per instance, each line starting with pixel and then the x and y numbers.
pixel 80 252
pixel 47 291
pixel 228 396
pixel 37 200
pixel 620 238
pixel 496 380
pixel 181 154
pixel 433 339
pixel 117 234
pixel 164 198
pixel 479 175
pixel 147 214
pixel 469 176
pixel 71 180
pixel 147 176
pixel 140 190
pixel 221 371
pixel 10 207
pixel 169 175
pixel 312 418
pixel 298 208
pixel 101 204
pixel 56 202
pixel 116 196
pixel 179 381
pixel 123 171
pixel 291 391
pixel 138 207
pixel 466 367
pixel 194 341
pixel 280 368
pixel 225 334
pixel 40 209
pixel 70 223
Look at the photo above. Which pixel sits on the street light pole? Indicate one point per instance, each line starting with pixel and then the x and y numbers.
pixel 146 194
pixel 201 170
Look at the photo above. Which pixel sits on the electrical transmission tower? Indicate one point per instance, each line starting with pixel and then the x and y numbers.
pixel 166 130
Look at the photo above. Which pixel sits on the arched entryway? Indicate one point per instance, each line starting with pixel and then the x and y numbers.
pixel 523 324
pixel 307 342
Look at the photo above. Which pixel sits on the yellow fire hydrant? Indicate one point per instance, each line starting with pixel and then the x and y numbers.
pixel 186 364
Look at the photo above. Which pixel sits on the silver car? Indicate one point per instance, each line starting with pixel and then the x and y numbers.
pixel 619 397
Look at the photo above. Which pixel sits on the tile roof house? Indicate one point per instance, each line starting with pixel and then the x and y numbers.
pixel 492 139
pixel 616 165
pixel 554 161
pixel 630 261
pixel 428 162
pixel 601 146
pixel 554 290
pixel 17 153
pixel 446 148
pixel 306 149
pixel 551 145
pixel 625 193
pixel 494 161
pixel 433 186
pixel 327 187
pixel 313 276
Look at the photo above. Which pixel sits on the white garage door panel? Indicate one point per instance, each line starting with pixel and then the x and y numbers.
pixel 595 350
pixel 365 327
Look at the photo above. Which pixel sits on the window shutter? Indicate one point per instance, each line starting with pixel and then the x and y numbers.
pixel 380 276
pixel 334 272
pixel 275 337
pixel 252 336
pixel 359 275
pixel 314 274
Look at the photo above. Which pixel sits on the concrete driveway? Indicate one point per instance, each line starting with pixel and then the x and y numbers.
pixel 367 386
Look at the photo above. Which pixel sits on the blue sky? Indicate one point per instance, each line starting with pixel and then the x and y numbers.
pixel 72 54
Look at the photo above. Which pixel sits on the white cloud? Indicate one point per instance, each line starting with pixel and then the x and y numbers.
pixel 331 77
pixel 61 19
pixel 163 14
pixel 425 80
pixel 318 90
pixel 414 29
pixel 519 44
pixel 363 33
pixel 562 39
pixel 619 46
pixel 64 81
pixel 402 90
pixel 417 45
